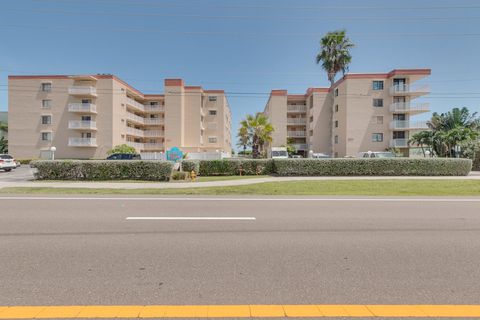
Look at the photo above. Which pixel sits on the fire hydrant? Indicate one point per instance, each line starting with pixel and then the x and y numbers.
pixel 193 175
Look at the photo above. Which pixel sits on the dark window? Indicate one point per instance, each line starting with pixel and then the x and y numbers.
pixel 336 139
pixel 336 92
pixel 377 85
pixel 336 124
pixel 212 98
pixel 212 112
pixel 377 137
pixel 378 102
pixel 46 119
pixel 46 87
pixel 336 108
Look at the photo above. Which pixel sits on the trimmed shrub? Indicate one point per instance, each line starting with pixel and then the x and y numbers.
pixel 233 167
pixel 189 165
pixel 102 170
pixel 25 161
pixel 476 162
pixel 373 167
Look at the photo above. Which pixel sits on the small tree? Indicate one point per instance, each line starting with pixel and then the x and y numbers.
pixel 122 148
pixel 3 145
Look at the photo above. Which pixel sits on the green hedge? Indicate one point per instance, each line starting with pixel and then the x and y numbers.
pixel 230 167
pixel 373 167
pixel 102 170
pixel 476 163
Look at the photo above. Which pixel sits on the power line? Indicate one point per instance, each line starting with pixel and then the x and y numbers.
pixel 227 33
pixel 191 16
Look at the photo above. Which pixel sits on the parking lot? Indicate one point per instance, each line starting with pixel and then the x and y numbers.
pixel 20 174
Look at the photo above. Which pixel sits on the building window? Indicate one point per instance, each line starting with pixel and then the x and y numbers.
pixel 46 119
pixel 378 103
pixel 154 103
pixel 377 137
pixel 212 139
pixel 377 85
pixel 46 104
pixel 46 136
pixel 336 139
pixel 336 123
pixel 311 119
pixel 336 108
pixel 46 87
pixel 212 112
pixel 336 92
pixel 212 98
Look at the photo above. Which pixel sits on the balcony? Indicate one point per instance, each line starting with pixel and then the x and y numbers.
pixel 300 146
pixel 135 104
pixel 296 134
pixel 409 107
pixel 153 121
pixel 297 121
pixel 153 133
pixel 82 142
pixel 82 107
pixel 296 108
pixel 405 89
pixel 152 146
pixel 408 125
pixel 136 145
pixel 135 132
pixel 399 143
pixel 84 91
pixel 134 118
pixel 154 108
pixel 82 124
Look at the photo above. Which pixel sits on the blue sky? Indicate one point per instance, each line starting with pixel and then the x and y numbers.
pixel 245 47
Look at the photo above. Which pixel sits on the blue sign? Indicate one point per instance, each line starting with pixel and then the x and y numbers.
pixel 174 154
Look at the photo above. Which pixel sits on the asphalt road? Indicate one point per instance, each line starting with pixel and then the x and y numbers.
pixel 85 251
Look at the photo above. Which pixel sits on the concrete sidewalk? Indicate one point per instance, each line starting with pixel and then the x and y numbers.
pixel 474 175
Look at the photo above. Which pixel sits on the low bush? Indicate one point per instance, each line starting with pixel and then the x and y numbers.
pixel 232 167
pixel 476 163
pixel 180 175
pixel 25 161
pixel 102 170
pixel 373 167
pixel 190 165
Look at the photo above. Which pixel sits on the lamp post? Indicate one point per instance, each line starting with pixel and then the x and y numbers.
pixel 53 149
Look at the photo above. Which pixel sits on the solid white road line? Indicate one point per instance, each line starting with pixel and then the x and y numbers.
pixel 190 218
pixel 432 199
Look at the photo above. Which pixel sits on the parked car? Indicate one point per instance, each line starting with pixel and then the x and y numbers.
pixel 124 156
pixel 376 154
pixel 279 153
pixel 320 156
pixel 7 162
pixel 296 156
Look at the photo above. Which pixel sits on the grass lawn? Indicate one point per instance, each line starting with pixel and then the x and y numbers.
pixel 337 188
pixel 223 178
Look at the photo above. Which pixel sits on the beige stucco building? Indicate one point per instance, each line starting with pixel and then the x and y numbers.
pixel 84 116
pixel 371 112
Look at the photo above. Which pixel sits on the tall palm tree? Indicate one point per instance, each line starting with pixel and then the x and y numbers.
pixel 3 126
pixel 259 131
pixel 243 138
pixel 334 56
pixel 422 139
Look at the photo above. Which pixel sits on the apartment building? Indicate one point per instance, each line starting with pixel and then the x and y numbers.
pixel 372 112
pixel 84 116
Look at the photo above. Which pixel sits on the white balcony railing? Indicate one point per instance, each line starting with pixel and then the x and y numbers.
pixel 82 142
pixel 135 104
pixel 399 143
pixel 136 145
pixel 409 107
pixel 296 133
pixel 296 108
pixel 82 124
pixel 153 133
pixel 153 121
pixel 408 89
pixel 406 124
pixel 152 146
pixel 134 118
pixel 82 90
pixel 82 107
pixel 135 132
pixel 154 108
pixel 296 120
pixel 300 146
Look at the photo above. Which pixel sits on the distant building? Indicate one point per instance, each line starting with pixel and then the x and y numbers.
pixel 372 112
pixel 84 116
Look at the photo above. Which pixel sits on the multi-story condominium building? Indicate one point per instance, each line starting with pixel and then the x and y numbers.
pixel 371 112
pixel 84 116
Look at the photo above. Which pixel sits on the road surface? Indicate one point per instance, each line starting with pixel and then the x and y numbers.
pixel 96 251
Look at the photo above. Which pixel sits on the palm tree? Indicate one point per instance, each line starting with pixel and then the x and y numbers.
pixel 243 138
pixel 335 57
pixel 259 131
pixel 3 127
pixel 422 139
